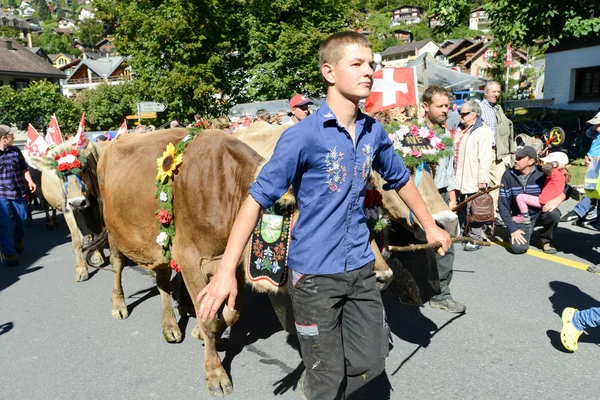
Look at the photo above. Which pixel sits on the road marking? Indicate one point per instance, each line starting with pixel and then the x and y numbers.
pixel 548 257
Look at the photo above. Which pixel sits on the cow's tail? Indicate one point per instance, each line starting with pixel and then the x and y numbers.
pixel 97 243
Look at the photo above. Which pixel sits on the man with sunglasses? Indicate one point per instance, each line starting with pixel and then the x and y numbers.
pixel 13 174
pixel 527 177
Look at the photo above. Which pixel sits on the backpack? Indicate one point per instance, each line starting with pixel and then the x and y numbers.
pixel 482 211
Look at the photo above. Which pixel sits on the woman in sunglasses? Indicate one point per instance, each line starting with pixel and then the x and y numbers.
pixel 473 147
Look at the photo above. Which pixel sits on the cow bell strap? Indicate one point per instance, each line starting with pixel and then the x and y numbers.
pixel 78 179
pixel 418 174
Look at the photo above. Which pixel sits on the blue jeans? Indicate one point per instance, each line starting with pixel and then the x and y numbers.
pixel 18 210
pixel 583 207
pixel 589 318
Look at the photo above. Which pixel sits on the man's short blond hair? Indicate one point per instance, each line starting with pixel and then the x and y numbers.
pixel 332 49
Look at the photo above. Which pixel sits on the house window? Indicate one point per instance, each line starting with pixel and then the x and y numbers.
pixel 20 84
pixel 587 83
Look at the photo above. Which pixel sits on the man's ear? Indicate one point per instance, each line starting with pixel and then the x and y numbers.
pixel 328 73
pixel 426 107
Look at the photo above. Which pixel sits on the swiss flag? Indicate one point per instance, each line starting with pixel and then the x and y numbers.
pixel 80 138
pixel 54 131
pixel 122 129
pixel 36 145
pixel 508 56
pixel 392 87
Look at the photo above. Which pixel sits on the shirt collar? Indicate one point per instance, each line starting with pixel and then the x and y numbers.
pixel 490 104
pixel 327 114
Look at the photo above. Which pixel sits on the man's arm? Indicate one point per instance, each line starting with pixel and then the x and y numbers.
pixel 223 285
pixel 32 185
pixel 412 198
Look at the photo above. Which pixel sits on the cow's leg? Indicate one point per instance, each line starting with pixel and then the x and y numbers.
pixel 54 218
pixel 171 331
pixel 81 272
pixel 117 260
pixel 48 219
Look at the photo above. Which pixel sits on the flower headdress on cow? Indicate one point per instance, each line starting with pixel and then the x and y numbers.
pixel 417 143
pixel 64 159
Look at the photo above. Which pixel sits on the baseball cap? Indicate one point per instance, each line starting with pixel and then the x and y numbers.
pixel 7 130
pixel 595 120
pixel 299 100
pixel 557 156
pixel 526 151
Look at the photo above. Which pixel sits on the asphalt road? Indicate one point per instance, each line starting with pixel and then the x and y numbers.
pixel 59 341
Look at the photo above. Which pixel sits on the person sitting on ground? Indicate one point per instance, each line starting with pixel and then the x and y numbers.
pixel 557 177
pixel 527 177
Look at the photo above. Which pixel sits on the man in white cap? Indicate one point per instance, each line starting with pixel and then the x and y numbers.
pixel 299 108
pixel 13 174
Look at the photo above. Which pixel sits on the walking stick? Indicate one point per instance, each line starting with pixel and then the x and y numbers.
pixel 476 195
pixel 436 245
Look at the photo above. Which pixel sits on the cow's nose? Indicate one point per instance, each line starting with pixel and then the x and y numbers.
pixel 78 203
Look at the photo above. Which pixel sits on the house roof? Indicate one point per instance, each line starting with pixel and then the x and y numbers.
pixel 106 39
pixel 61 30
pixel 406 5
pixel 21 62
pixel 405 48
pixel 450 46
pixel 575 43
pixel 103 66
pixel 53 57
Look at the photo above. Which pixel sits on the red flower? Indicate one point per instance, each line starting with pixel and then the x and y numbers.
pixel 63 154
pixel 431 134
pixel 440 146
pixel 76 164
pixel 164 217
pixel 63 167
pixel 414 131
pixel 74 153
pixel 416 153
pixel 57 157
pixel 174 265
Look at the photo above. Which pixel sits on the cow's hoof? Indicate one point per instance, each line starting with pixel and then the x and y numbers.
pixel 197 333
pixel 186 310
pixel 49 226
pixel 81 275
pixel 383 279
pixel 120 311
pixel 219 385
pixel 173 334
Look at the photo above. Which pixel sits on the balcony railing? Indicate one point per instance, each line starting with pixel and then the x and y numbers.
pixel 84 81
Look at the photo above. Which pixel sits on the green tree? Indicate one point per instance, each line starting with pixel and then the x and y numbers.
pixel 7 32
pixel 53 43
pixel 106 106
pixel 36 104
pixel 12 3
pixel 43 10
pixel 90 32
pixel 60 13
pixel 205 55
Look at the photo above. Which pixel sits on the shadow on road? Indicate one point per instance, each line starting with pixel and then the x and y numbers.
pixel 5 328
pixel 38 243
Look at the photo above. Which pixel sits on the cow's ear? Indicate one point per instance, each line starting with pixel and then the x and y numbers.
pixel 41 163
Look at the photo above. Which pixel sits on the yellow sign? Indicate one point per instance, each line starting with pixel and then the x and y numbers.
pixel 144 115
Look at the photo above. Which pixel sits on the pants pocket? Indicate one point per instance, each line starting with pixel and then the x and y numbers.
pixel 310 345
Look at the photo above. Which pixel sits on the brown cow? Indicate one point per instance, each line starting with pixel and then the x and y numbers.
pixel 54 191
pixel 208 191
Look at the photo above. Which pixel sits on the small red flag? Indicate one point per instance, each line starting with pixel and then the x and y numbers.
pixel 80 138
pixel 122 130
pixel 36 145
pixel 54 131
pixel 392 87
pixel 508 56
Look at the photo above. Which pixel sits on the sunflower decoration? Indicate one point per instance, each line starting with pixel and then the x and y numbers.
pixel 168 163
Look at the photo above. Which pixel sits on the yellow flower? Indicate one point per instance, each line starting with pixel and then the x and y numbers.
pixel 168 163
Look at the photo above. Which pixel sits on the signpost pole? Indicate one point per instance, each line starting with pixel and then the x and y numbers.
pixel 139 113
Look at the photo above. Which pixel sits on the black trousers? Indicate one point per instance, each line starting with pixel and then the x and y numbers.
pixel 339 319
pixel 548 221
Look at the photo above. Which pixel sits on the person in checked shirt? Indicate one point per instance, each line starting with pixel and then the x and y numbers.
pixel 13 175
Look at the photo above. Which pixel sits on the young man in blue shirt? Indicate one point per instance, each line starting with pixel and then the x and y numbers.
pixel 327 158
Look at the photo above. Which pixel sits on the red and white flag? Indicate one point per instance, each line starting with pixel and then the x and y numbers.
pixel 508 62
pixel 54 132
pixel 392 87
pixel 36 145
pixel 80 138
pixel 122 130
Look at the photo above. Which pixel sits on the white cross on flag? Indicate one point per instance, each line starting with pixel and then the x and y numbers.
pixel 36 145
pixel 392 87
pixel 80 138
pixel 122 129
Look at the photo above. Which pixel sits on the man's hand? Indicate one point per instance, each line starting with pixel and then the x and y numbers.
pixel 32 186
pixel 518 237
pixel 452 204
pixel 482 186
pixel 551 205
pixel 222 286
pixel 587 160
pixel 436 234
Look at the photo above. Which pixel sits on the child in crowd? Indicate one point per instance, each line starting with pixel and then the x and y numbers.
pixel 557 177
pixel 574 322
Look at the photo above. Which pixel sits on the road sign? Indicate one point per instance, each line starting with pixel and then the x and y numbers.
pixel 152 106
pixel 144 115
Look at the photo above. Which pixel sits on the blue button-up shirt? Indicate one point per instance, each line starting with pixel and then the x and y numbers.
pixel 328 174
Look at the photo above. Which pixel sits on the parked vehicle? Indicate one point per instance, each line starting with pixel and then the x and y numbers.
pixel 461 96
pixel 579 143
pixel 541 135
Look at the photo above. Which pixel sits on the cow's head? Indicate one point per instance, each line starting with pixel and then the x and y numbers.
pixel 76 169
pixel 399 212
